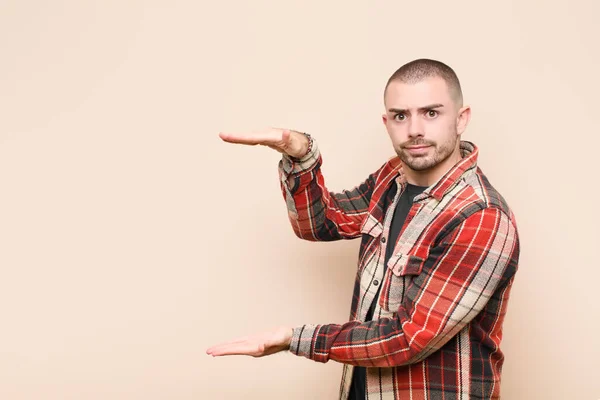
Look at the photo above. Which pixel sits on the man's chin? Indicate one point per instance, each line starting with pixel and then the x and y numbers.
pixel 420 168
pixel 417 163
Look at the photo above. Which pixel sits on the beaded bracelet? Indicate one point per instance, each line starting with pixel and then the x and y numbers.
pixel 310 143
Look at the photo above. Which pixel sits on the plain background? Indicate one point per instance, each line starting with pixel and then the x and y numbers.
pixel 132 238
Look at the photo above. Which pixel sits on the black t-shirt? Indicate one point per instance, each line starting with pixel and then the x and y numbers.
pixel 358 387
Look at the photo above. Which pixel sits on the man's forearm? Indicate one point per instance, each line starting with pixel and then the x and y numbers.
pixel 315 213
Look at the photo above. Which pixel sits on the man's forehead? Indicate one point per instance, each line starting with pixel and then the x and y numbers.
pixel 406 95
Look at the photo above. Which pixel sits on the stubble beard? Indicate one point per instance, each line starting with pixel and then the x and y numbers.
pixel 441 152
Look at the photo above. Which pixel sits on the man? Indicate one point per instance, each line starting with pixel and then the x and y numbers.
pixel 439 252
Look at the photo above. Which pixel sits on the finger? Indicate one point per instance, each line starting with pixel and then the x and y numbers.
pixel 268 137
pixel 229 343
pixel 237 341
pixel 242 348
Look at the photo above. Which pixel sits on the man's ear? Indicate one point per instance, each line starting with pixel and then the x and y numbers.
pixel 384 119
pixel 464 116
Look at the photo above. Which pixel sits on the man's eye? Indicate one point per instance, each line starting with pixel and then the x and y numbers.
pixel 432 113
pixel 400 117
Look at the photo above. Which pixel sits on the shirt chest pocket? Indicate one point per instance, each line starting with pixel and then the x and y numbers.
pixel 401 270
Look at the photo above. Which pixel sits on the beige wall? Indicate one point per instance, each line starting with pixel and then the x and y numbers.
pixel 121 260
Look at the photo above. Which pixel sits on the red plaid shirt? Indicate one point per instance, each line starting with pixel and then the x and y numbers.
pixel 438 319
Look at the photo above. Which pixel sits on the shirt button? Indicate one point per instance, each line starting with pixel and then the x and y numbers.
pixel 375 282
pixel 383 240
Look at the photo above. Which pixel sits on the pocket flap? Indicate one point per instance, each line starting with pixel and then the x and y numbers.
pixel 404 264
pixel 372 226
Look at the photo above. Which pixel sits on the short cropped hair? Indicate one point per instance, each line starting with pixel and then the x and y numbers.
pixel 420 69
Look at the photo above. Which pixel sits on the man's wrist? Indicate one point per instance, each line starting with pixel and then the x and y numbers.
pixel 291 166
pixel 288 341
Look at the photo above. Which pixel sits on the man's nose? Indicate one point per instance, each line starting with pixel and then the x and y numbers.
pixel 415 127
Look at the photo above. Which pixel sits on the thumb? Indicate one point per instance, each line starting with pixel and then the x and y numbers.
pixel 286 137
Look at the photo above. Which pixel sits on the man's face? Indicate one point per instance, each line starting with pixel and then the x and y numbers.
pixel 423 121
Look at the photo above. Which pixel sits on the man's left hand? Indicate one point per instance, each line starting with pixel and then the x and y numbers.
pixel 259 345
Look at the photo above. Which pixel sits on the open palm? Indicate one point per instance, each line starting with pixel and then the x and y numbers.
pixel 262 344
pixel 283 140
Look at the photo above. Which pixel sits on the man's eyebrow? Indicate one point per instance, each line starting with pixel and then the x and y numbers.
pixel 425 108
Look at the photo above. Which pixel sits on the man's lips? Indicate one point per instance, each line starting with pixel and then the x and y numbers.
pixel 418 150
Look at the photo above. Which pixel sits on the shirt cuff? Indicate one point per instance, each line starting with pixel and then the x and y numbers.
pixel 303 340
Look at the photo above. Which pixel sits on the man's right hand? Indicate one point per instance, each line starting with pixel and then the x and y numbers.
pixel 286 141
